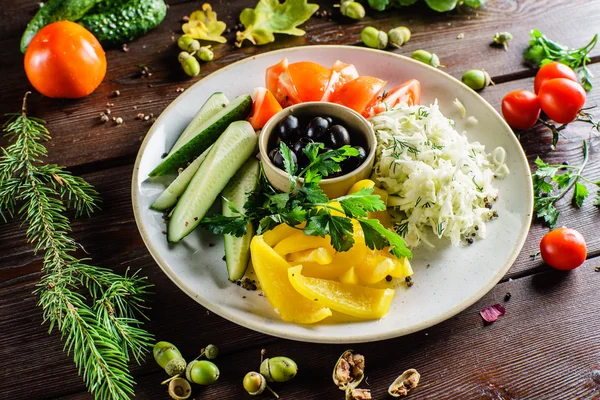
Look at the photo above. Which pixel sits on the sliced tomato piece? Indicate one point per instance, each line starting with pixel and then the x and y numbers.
pixel 358 93
pixel 310 79
pixel 408 92
pixel 280 83
pixel 341 73
pixel 264 106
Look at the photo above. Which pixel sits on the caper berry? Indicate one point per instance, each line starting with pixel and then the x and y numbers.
pixel 476 79
pixel 202 372
pixel 426 57
pixel 278 369
pixel 254 383
pixel 190 65
pixel 398 36
pixel 374 38
pixel 205 53
pixel 352 9
pixel 188 43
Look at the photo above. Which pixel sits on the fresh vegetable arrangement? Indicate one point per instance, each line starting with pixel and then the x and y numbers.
pixel 97 311
pixel 112 22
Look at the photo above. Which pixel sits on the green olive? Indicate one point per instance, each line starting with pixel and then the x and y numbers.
pixel 205 53
pixel 190 65
pixel 476 79
pixel 169 358
pixel 278 369
pixel 426 57
pixel 188 43
pixel 254 383
pixel 374 38
pixel 352 9
pixel 398 36
pixel 202 372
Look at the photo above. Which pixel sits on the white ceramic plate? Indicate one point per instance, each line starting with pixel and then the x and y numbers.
pixel 456 278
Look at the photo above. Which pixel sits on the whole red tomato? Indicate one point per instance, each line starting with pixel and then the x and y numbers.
pixel 561 99
pixel 563 249
pixel 551 71
pixel 521 109
pixel 65 60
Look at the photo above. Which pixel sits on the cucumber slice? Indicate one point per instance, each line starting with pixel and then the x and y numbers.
pixel 237 249
pixel 168 198
pixel 227 155
pixel 216 102
pixel 206 134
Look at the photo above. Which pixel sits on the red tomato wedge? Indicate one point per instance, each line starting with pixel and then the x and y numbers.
pixel 341 73
pixel 358 93
pixel 310 80
pixel 264 106
pixel 280 83
pixel 408 92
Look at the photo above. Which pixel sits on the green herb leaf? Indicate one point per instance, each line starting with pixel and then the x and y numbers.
pixel 313 193
pixel 220 224
pixel 288 162
pixel 376 235
pixel 597 199
pixel 580 194
pixel 356 205
pixel 271 16
pixel 563 180
pixel 340 229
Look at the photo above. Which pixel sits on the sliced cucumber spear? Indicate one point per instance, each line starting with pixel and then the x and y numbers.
pixel 227 155
pixel 205 135
pixel 237 249
pixel 215 103
pixel 168 198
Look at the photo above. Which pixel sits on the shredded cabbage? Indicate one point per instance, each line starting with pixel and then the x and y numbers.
pixel 436 178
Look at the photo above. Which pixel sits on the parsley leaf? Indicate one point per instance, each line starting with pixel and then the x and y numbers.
pixel 288 162
pixel 219 224
pixel 580 194
pixel 597 199
pixel 377 236
pixel 359 203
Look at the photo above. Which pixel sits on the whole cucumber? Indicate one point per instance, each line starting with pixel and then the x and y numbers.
pixel 125 22
pixel 52 11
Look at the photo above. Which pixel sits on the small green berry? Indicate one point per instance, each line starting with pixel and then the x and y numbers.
pixel 205 53
pixel 374 38
pixel 202 372
pixel 168 357
pixel 190 65
pixel 426 57
pixel 476 79
pixel 188 43
pixel 398 36
pixel 254 383
pixel 352 9
pixel 278 369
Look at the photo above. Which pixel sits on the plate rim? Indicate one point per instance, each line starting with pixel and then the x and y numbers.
pixel 304 337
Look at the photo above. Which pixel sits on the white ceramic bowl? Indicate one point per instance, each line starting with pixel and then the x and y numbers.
pixel 456 278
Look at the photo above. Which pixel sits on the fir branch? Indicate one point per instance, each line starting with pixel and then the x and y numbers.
pixel 99 325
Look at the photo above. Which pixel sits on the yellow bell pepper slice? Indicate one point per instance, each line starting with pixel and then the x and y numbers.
pixel 320 255
pixel 300 242
pixel 365 183
pixel 401 269
pixel 350 277
pixel 375 268
pixel 271 270
pixel 355 300
pixel 277 234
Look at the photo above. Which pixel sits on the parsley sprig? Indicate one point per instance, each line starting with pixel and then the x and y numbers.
pixel 542 50
pixel 550 185
pixel 307 203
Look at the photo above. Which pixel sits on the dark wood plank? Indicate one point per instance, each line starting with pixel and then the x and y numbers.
pixel 93 141
pixel 517 357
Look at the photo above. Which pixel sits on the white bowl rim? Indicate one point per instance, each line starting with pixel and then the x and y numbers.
pixel 360 338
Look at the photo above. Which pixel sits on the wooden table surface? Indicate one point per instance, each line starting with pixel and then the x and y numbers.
pixel 547 346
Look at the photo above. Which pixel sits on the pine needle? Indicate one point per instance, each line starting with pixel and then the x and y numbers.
pixel 95 309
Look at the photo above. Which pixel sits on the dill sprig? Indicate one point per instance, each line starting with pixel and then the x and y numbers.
pixel 95 309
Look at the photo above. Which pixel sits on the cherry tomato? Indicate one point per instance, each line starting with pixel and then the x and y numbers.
pixel 521 109
pixel 408 92
pixel 561 99
pixel 563 249
pixel 341 73
pixel 280 83
pixel 264 106
pixel 358 93
pixel 551 71
pixel 310 80
pixel 64 60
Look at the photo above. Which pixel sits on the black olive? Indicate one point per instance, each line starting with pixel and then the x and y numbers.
pixel 317 128
pixel 351 163
pixel 337 136
pixel 329 119
pixel 277 158
pixel 288 129
pixel 298 148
